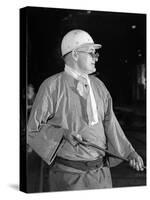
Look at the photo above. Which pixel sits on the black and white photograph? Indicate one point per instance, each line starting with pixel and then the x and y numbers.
pixel 82 99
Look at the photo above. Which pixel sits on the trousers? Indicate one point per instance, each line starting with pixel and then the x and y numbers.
pixel 64 178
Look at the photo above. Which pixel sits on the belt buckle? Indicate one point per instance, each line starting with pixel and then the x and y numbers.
pixel 99 163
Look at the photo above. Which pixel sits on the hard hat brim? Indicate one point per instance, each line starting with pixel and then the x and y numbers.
pixel 96 46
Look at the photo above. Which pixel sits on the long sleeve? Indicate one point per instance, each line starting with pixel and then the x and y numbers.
pixel 43 138
pixel 116 139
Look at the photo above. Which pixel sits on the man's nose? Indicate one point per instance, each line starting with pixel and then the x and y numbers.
pixel 96 59
pixel 96 55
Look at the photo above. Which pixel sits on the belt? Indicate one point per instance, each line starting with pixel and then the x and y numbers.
pixel 83 165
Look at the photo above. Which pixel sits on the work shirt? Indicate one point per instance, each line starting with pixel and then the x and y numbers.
pixel 59 111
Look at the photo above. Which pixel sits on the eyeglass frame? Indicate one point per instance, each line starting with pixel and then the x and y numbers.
pixel 93 55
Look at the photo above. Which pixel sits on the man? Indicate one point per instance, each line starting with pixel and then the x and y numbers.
pixel 74 104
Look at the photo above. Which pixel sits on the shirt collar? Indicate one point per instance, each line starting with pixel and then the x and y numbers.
pixel 76 74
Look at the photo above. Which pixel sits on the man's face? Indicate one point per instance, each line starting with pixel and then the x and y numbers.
pixel 86 62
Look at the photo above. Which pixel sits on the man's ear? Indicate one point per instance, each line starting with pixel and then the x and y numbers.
pixel 75 55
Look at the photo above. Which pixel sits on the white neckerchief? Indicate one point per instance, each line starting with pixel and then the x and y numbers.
pixel 77 76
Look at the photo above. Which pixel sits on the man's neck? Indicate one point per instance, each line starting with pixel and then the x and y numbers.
pixel 75 73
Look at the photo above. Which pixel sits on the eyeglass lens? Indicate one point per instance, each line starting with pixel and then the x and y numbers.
pixel 94 55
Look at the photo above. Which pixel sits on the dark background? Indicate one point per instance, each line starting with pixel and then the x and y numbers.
pixel 122 35
pixel 121 66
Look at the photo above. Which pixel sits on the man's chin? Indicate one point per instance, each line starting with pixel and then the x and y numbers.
pixel 92 70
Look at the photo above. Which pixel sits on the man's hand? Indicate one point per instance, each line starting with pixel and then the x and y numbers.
pixel 136 161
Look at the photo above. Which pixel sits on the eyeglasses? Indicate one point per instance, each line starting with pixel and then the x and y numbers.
pixel 93 55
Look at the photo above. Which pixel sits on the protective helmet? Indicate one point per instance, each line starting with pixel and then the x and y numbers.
pixel 75 39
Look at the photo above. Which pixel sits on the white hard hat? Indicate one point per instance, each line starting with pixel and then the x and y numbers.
pixel 75 39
